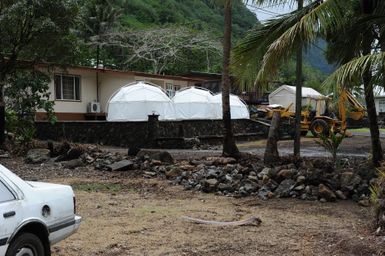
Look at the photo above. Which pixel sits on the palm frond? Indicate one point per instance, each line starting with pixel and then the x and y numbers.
pixel 316 22
pixel 352 71
pixel 258 56
pixel 249 53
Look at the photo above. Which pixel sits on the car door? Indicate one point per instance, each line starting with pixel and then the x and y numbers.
pixel 10 214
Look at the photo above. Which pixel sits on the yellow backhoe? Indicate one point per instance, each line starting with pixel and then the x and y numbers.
pixel 323 123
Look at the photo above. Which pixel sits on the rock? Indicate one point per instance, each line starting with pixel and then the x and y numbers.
pixel 345 179
pixel 186 167
pixel 314 175
pixel 74 152
pixel 300 187
pixel 209 185
pixel 37 156
pixel 172 173
pixel 225 187
pixel 212 173
pixel 301 179
pixel 156 162
pixel 253 178
pixel 265 193
pixel 148 174
pixel 284 188
pixel 265 171
pixel 250 187
pixel 349 181
pixel 228 178
pixel 364 202
pixel 325 192
pixel 285 173
pixel 123 165
pixel 340 195
pixel 222 160
pixel 58 149
pixel 163 156
pixel 201 162
pixel 133 151
pixel 72 164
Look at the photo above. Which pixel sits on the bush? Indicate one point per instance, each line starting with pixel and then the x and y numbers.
pixel 377 197
pixel 26 92
pixel 331 143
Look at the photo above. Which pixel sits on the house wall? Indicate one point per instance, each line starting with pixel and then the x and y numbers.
pixel 72 109
pixel 109 82
pixel 380 104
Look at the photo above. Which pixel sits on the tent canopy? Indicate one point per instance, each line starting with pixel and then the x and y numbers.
pixel 238 107
pixel 135 101
pixel 285 95
pixel 194 103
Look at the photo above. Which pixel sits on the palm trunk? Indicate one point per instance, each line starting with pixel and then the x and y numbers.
pixel 377 154
pixel 298 97
pixel 372 115
pixel 229 146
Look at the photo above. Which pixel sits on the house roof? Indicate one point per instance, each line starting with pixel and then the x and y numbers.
pixel 110 70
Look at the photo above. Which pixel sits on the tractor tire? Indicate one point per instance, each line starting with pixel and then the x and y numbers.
pixel 319 126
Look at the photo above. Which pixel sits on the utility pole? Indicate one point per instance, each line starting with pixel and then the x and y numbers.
pixel 298 96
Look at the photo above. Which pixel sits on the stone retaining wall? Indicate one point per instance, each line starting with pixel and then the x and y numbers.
pixel 141 134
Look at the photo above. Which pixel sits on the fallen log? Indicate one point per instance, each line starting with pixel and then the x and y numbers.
pixel 252 221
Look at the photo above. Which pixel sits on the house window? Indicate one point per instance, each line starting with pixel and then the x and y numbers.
pixel 170 90
pixel 381 105
pixel 67 87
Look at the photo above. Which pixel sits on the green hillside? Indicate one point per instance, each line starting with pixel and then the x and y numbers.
pixel 198 14
pixel 165 36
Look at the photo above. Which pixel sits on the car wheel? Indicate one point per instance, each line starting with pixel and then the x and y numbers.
pixel 26 244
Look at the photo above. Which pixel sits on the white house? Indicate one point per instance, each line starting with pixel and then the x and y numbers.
pixel 76 88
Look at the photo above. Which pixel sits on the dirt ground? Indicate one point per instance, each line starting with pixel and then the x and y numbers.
pixel 129 215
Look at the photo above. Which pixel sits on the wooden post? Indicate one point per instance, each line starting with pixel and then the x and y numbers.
pixel 271 151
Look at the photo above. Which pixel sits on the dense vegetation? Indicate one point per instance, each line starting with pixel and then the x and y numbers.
pixel 119 32
pixel 168 36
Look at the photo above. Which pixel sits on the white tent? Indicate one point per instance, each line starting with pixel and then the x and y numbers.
pixel 238 107
pixel 194 103
pixel 285 95
pixel 135 101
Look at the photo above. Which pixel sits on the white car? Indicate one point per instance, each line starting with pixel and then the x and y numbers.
pixel 34 215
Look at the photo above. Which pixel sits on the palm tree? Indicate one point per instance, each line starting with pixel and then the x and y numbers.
pixel 98 20
pixel 258 56
pixel 229 146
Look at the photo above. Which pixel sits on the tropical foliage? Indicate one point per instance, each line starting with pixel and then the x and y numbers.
pixel 347 24
pixel 26 92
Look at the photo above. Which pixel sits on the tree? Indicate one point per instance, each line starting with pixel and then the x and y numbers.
pixel 163 47
pixel 34 30
pixel 229 146
pixel 98 20
pixel 279 39
pixel 26 91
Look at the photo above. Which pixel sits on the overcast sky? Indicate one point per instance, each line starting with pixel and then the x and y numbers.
pixel 268 12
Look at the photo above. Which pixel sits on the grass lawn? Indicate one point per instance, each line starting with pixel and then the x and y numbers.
pixel 363 130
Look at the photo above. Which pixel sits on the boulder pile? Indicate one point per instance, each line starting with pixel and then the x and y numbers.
pixel 307 179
